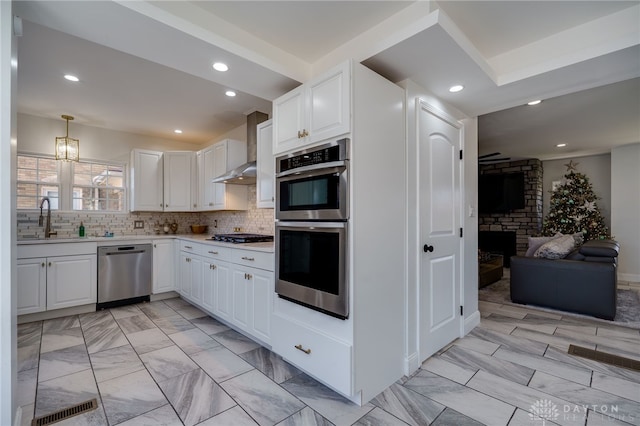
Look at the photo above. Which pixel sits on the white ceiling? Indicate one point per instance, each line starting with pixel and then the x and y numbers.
pixel 145 67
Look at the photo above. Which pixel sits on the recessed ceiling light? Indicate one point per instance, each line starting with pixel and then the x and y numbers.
pixel 532 103
pixel 230 93
pixel 456 88
pixel 71 77
pixel 178 131
pixel 219 66
pixel 561 145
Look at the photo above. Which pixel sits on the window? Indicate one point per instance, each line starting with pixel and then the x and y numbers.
pixel 98 187
pixel 37 178
pixel 85 185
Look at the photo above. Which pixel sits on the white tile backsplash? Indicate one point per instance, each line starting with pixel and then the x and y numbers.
pixel 254 220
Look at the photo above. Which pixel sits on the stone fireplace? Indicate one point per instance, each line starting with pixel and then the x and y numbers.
pixel 520 223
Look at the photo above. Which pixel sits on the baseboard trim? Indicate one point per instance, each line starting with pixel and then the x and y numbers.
pixel 635 278
pixel 411 364
pixel 56 313
pixel 471 322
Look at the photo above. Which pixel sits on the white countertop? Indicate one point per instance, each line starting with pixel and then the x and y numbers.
pixel 139 239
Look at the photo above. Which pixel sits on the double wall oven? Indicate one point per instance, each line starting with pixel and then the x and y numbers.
pixel 312 214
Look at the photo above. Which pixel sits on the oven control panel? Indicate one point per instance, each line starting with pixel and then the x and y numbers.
pixel 324 154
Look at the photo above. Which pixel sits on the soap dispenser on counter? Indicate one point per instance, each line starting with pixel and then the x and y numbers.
pixel 81 230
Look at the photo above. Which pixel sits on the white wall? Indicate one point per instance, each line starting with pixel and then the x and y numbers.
pixel 8 369
pixel 625 215
pixel 597 168
pixel 37 135
pixel 470 223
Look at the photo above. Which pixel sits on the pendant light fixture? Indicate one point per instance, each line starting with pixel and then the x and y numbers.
pixel 67 149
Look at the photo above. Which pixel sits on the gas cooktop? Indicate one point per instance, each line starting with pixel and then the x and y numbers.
pixel 241 238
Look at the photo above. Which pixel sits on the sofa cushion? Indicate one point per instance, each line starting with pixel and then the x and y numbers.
pixel 575 255
pixel 557 248
pixel 536 242
pixel 603 248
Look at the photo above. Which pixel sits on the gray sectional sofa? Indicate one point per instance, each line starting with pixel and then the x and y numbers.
pixel 585 281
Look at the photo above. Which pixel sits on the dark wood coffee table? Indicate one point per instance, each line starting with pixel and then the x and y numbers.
pixel 489 269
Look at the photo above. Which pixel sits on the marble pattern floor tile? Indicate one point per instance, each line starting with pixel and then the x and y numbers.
pixel 261 398
pixel 600 419
pixel 270 364
pixel 621 344
pixel 408 406
pixel 129 396
pixel 191 312
pixel 520 396
pixel 171 325
pixel 465 400
pixel 506 340
pixel 29 334
pixel 534 324
pixel 450 417
pixel 135 323
pixel 65 391
pixel 176 303
pixel 579 394
pixel 125 311
pixel 163 416
pixel 306 417
pixel 235 416
pixel 26 384
pixel 477 345
pixel 59 324
pixel 221 364
pixel 195 396
pixel 61 339
pixel 155 310
pixel 193 340
pixel 115 362
pixel 559 342
pixel 540 363
pixel 610 370
pixel 104 336
pixel 527 418
pixel 62 362
pixel 236 342
pixel 149 340
pixel 448 370
pixel 329 404
pixel 209 325
pixel 91 319
pixel 378 417
pixel 619 387
pixel 28 357
pixel 487 323
pixel 167 363
pixel 491 364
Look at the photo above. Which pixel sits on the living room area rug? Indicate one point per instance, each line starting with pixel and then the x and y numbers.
pixel 627 310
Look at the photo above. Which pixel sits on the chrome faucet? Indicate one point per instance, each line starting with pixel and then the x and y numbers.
pixel 47 228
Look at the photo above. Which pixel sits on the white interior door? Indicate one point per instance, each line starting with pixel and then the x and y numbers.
pixel 439 142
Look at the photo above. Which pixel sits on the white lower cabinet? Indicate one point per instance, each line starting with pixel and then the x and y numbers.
pixel 316 353
pixel 230 284
pixel 163 266
pixel 54 276
pixel 32 285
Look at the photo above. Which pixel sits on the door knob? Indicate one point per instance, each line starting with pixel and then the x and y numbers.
pixel 427 248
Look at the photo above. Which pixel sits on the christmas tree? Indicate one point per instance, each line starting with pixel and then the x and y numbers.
pixel 573 208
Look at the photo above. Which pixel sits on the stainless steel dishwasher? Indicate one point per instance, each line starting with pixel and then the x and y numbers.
pixel 124 274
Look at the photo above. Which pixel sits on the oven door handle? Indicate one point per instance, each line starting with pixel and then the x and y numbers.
pixel 324 168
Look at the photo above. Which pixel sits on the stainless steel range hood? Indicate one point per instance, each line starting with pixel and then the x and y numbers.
pixel 246 173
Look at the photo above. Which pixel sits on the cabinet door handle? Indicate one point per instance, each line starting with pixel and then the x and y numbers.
pixel 49 264
pixel 43 264
pixel 213 252
pixel 166 205
pixel 248 258
pixel 195 205
pixel 211 266
pixel 160 204
pixel 299 134
pixel 210 204
pixel 155 246
pixel 300 348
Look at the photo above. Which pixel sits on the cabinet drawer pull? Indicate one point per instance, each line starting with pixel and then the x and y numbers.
pixel 306 351
pixel 189 247
pixel 248 258
pixel 212 252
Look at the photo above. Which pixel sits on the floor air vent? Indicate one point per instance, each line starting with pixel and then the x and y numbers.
pixel 65 413
pixel 604 357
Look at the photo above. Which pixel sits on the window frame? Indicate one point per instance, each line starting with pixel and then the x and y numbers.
pixel 40 184
pixel 66 173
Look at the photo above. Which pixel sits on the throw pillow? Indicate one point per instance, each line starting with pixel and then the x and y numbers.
pixel 536 242
pixel 579 238
pixel 556 248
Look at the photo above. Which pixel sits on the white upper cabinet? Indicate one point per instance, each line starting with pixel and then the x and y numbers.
pixel 315 111
pixel 206 189
pixel 265 167
pixel 227 155
pixel 146 180
pixel 179 172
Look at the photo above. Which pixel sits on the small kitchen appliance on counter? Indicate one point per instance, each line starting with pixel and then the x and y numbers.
pixel 241 238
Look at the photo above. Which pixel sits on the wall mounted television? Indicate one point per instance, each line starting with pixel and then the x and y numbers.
pixel 500 192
